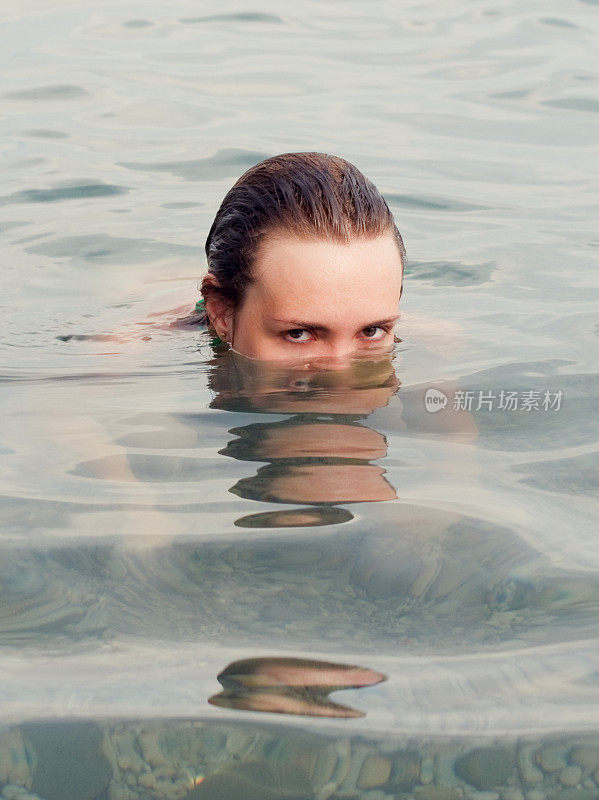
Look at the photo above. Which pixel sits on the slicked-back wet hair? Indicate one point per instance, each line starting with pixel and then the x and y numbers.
pixel 309 195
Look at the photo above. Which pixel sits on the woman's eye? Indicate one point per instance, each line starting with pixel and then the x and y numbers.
pixel 298 335
pixel 374 332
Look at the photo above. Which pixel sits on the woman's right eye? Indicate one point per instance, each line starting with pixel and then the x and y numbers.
pixel 300 335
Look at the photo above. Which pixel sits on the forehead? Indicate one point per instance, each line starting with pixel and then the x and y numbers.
pixel 300 276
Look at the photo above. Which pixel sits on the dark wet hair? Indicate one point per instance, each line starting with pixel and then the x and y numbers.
pixel 305 194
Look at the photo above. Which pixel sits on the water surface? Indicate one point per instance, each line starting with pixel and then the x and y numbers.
pixel 169 510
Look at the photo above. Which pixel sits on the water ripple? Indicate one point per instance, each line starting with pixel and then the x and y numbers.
pixel 43 133
pixel 137 23
pixel 444 273
pixel 47 93
pixel 436 204
pixel 74 191
pixel 106 249
pixel 589 104
pixel 224 164
pixel 241 16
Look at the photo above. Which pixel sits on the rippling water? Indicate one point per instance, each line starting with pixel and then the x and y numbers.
pixel 169 510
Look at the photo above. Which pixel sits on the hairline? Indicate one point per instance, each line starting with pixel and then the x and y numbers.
pixel 280 233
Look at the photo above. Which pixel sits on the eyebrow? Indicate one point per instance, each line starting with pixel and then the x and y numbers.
pixel 295 324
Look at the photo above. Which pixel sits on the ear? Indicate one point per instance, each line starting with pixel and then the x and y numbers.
pixel 218 309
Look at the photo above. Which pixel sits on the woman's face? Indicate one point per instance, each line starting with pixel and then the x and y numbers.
pixel 313 298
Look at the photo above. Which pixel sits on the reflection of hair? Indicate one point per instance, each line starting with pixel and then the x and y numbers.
pixel 306 194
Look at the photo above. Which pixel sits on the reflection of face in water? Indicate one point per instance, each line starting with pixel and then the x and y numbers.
pixel 291 686
pixel 321 456
pixel 357 385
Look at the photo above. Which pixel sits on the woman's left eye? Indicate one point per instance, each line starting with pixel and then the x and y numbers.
pixel 374 332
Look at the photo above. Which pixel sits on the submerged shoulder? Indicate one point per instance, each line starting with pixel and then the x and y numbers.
pixel 185 315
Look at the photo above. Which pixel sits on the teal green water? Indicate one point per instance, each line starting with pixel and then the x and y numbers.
pixel 169 510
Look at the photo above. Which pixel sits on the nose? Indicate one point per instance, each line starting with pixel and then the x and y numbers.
pixel 336 363
pixel 339 351
pixel 334 359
